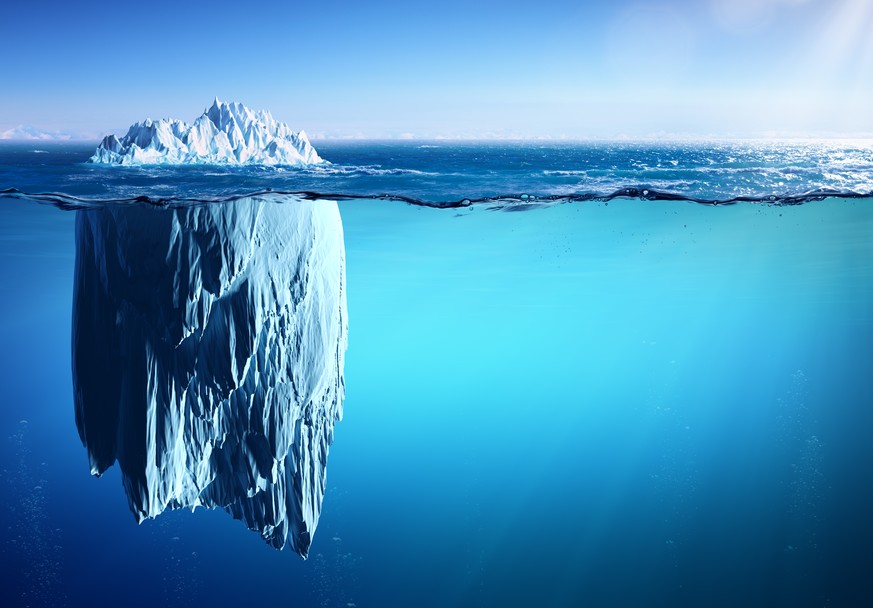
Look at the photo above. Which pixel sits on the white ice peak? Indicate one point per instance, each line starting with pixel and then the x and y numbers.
pixel 226 133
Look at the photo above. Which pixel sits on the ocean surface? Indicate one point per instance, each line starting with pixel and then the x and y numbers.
pixel 652 387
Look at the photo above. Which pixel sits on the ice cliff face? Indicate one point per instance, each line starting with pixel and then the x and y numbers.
pixel 226 133
pixel 208 347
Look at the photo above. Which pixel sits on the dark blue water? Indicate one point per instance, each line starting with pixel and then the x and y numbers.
pixel 605 403
pixel 451 171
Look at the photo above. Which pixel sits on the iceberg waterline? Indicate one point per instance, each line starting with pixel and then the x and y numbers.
pixel 508 202
pixel 208 348
pixel 226 133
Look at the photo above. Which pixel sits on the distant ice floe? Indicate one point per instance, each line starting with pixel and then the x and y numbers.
pixel 226 133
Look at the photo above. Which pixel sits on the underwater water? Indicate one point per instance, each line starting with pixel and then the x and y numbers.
pixel 602 400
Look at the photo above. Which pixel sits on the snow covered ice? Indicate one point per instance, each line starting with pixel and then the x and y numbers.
pixel 208 348
pixel 226 133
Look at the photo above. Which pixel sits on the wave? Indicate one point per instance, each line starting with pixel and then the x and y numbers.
pixel 566 172
pixel 325 169
pixel 508 202
pixel 357 170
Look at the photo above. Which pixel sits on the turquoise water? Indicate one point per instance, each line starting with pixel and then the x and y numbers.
pixel 602 403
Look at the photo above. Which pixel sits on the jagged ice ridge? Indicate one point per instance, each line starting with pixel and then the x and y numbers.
pixel 226 133
pixel 208 348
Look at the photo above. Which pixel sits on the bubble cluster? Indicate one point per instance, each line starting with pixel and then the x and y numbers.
pixel 805 452
pixel 35 544
pixel 334 568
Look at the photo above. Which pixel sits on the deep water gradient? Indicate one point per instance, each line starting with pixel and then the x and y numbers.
pixel 639 403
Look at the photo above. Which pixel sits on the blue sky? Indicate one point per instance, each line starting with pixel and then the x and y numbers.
pixel 450 69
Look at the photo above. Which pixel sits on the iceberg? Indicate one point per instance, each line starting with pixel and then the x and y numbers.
pixel 208 345
pixel 226 133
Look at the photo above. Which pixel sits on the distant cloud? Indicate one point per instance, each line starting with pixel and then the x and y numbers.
pixel 322 136
pixel 28 133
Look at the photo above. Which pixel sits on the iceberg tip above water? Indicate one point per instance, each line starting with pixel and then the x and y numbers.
pixel 226 133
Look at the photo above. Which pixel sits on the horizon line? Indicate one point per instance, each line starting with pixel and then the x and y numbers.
pixel 494 138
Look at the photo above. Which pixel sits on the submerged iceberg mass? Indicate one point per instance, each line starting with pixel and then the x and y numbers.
pixel 208 348
pixel 226 133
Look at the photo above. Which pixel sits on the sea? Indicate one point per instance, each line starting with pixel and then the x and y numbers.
pixel 587 374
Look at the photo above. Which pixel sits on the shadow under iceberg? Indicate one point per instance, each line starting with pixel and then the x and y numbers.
pixel 208 345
